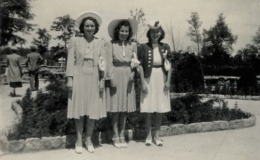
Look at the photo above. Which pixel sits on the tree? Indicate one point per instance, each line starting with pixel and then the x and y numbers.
pixel 194 29
pixel 256 38
pixel 14 15
pixel 217 43
pixel 174 39
pixel 65 25
pixel 43 40
pixel 139 16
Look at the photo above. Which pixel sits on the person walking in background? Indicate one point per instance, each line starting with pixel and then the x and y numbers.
pixel 33 62
pixel 86 77
pixel 15 72
pixel 155 74
pixel 121 93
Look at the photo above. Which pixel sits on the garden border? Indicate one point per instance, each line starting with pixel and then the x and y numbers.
pixel 239 97
pixel 62 142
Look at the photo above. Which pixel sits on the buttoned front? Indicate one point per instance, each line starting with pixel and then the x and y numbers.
pixel 146 56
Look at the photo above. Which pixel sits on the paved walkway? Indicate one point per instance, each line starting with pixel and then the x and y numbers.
pixel 241 144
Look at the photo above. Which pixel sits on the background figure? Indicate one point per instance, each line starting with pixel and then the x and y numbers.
pixel 85 80
pixel 121 93
pixel 33 62
pixel 155 78
pixel 14 70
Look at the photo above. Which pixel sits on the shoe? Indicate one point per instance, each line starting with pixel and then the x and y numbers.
pixel 148 142
pixel 90 148
pixel 158 142
pixel 117 145
pixel 78 149
pixel 122 142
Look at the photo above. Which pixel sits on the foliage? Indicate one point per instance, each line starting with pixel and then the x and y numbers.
pixel 194 29
pixel 43 40
pixel 256 38
pixel 14 15
pixel 218 41
pixel 247 82
pixel 190 109
pixel 66 25
pixel 188 74
pixel 139 16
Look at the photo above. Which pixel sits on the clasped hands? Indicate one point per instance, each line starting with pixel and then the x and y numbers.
pixel 166 87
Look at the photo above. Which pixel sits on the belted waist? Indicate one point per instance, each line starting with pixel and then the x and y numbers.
pixel 121 64
pixel 157 66
pixel 89 63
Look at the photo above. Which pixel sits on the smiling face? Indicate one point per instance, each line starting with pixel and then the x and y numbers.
pixel 123 33
pixel 89 28
pixel 155 34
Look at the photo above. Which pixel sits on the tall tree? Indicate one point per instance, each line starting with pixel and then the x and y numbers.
pixel 139 16
pixel 256 38
pixel 65 25
pixel 194 30
pixel 218 41
pixel 174 38
pixel 43 40
pixel 14 15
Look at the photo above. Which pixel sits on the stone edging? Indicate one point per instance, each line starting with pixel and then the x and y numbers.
pixel 51 143
pixel 176 95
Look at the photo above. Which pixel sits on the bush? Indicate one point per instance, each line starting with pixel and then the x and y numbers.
pixel 188 75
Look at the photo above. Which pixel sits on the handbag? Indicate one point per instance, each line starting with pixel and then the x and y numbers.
pixel 167 64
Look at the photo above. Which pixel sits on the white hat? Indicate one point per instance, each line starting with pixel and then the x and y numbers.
pixel 85 14
pixel 154 24
pixel 113 24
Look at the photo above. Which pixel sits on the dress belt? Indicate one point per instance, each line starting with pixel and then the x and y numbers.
pixel 157 66
pixel 121 64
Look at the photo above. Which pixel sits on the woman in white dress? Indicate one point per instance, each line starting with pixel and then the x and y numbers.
pixel 85 78
pixel 155 79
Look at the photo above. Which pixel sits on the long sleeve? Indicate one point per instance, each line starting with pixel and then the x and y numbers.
pixel 140 53
pixel 109 60
pixel 70 58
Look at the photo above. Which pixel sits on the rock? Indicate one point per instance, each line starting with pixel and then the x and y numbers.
pixel 207 126
pixel 165 131
pixel 33 144
pixel 16 146
pixel 248 122
pixel 178 129
pixel 220 125
pixel 248 97
pixel 194 127
pixel 227 96
pixel 235 124
pixel 50 143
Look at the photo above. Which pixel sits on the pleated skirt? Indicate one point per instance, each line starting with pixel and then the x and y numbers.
pixel 85 99
pixel 121 98
pixel 156 100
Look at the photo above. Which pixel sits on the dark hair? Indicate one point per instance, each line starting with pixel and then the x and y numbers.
pixel 81 26
pixel 118 27
pixel 149 36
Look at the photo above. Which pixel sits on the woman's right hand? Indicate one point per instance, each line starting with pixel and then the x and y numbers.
pixel 70 83
pixel 144 87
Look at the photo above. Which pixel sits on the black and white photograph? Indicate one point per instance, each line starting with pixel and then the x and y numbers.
pixel 129 79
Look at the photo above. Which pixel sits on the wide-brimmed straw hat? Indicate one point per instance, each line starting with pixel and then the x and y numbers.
pixel 113 24
pixel 154 24
pixel 85 14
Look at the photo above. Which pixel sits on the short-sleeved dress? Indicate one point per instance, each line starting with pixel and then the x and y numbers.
pixel 82 65
pixel 122 97
pixel 156 100
pixel 14 72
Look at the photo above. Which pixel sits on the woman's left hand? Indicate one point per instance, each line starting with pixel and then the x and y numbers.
pixel 167 86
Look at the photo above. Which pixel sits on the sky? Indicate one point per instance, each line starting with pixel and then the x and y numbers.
pixel 242 16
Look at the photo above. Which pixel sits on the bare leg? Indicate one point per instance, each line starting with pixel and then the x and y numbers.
pixel 115 119
pixel 122 120
pixel 79 130
pixel 158 122
pixel 148 126
pixel 90 127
